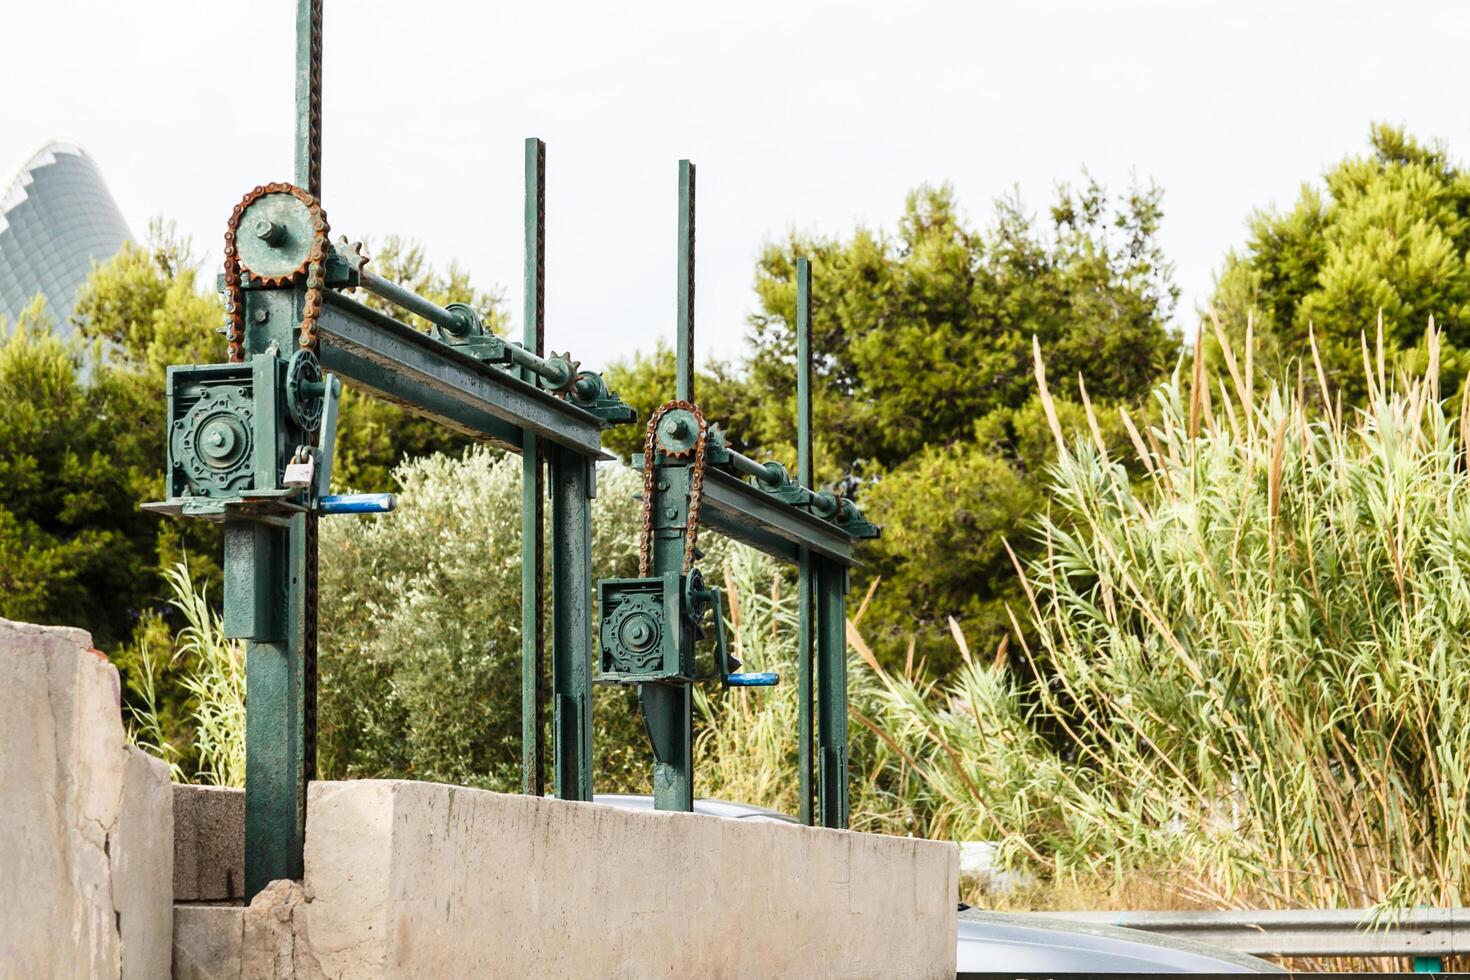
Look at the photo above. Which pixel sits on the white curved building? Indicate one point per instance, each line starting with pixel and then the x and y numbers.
pixel 56 218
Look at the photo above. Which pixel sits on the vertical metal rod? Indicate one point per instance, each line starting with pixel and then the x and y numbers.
pixel 533 580
pixel 280 566
pixel 305 555
pixel 806 577
pixel 270 603
pixel 571 622
pixel 309 96
pixel 668 709
pixel 832 692
pixel 804 373
pixel 684 379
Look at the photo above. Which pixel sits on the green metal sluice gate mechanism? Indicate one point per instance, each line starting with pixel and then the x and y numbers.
pixel 251 446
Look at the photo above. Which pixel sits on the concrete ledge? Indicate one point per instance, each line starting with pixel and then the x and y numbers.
pixel 207 941
pixel 418 879
pixel 209 844
pixel 86 825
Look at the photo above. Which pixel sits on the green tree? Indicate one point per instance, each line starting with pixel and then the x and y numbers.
pixel 925 395
pixel 420 626
pixel 1387 232
pixel 922 333
pixel 75 456
pixel 646 381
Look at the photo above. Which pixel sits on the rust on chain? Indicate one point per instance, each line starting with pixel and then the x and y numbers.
pixel 696 485
pixel 313 269
pixel 314 105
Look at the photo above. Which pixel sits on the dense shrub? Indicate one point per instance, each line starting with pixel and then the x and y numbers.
pixel 420 626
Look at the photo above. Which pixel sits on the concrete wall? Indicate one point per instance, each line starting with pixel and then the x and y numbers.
pixel 209 843
pixel 417 879
pixel 86 821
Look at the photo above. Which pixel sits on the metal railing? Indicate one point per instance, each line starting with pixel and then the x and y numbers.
pixel 1419 933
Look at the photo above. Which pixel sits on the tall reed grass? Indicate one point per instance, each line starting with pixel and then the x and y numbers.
pixel 1248 672
pixel 213 676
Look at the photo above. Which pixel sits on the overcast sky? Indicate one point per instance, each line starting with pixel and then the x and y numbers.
pixel 809 115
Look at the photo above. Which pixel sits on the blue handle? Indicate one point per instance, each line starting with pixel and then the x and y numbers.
pixel 357 503
pixel 766 679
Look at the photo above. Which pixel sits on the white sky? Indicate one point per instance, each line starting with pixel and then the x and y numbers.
pixel 812 115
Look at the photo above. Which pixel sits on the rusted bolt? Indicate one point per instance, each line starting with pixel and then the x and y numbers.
pixel 270 232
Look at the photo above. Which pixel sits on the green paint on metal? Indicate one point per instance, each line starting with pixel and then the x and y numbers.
pixel 650 634
pixel 831 630
pixel 806 581
pixel 308 142
pixel 684 353
pixel 571 618
pixel 533 583
pixel 668 714
pixel 236 428
pixel 1428 964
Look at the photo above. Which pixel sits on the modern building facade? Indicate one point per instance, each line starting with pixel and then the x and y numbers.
pixel 56 218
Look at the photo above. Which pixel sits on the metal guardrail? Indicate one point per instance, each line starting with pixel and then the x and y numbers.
pixel 1303 932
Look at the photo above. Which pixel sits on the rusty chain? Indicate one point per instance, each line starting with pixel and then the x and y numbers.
pixel 696 485
pixel 313 268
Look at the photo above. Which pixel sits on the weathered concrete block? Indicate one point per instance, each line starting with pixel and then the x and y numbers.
pixel 207 941
pixel 275 941
pixel 86 822
pixel 209 843
pixel 418 879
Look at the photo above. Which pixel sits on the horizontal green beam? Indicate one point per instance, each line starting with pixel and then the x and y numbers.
pixel 397 362
pixel 407 393
pixel 756 518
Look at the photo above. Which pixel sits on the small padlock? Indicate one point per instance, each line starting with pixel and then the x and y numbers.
pixel 300 471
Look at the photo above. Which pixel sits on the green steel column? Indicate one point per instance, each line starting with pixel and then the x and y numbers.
pixel 806 582
pixel 668 714
pixel 832 692
pixel 668 709
pixel 309 96
pixel 571 622
pixel 684 379
pixel 533 579
pixel 271 572
pixel 267 604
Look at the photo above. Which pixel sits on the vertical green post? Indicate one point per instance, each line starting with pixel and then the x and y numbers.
pixel 309 96
pixel 269 605
pixel 271 571
pixel 832 692
pixel 668 709
pixel 684 378
pixel 533 578
pixel 571 622
pixel 806 581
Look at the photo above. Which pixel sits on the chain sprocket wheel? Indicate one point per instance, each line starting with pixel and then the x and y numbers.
pixel 312 267
pixel 651 446
pixel 305 390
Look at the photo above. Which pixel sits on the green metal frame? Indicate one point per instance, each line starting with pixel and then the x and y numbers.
pixel 553 415
pixel 766 516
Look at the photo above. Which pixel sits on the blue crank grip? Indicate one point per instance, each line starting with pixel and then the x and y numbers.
pixel 357 503
pixel 753 679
